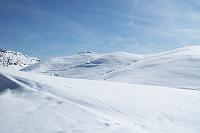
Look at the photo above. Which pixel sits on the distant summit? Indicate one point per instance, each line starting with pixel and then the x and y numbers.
pixel 15 60
pixel 87 52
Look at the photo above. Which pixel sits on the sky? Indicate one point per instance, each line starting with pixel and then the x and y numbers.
pixel 49 28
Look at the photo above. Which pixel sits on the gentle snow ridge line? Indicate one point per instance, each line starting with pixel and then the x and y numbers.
pixel 179 68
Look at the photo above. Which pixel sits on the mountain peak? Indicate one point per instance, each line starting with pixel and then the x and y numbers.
pixel 87 52
pixel 16 60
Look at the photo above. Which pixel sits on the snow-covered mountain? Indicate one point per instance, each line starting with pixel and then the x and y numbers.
pixel 31 103
pixel 176 68
pixel 15 60
pixel 89 65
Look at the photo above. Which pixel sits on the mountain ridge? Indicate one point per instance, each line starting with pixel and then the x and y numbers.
pixel 15 60
pixel 174 68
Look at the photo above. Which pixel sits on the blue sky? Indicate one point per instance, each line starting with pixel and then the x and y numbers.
pixel 49 28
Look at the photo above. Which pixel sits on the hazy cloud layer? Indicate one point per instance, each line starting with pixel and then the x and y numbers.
pixel 53 28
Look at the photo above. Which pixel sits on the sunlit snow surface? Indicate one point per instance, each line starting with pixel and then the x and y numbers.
pixel 179 68
pixel 48 104
pixel 15 60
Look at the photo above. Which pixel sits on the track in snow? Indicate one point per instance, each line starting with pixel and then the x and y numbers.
pixel 54 105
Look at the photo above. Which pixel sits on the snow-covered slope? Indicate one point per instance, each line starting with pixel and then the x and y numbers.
pixel 88 65
pixel 15 60
pixel 49 104
pixel 176 68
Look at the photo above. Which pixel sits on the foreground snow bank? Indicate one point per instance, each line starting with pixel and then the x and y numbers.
pixel 54 105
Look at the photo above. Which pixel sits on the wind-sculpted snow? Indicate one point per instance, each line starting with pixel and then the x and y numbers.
pixel 89 65
pixel 59 105
pixel 178 68
pixel 6 83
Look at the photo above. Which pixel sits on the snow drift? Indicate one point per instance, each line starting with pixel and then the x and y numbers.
pixel 178 68
pixel 90 65
pixel 50 104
